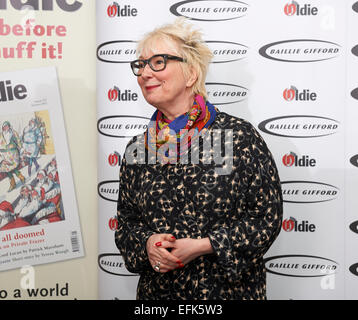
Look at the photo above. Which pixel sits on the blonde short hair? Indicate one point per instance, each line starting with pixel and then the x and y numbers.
pixel 181 36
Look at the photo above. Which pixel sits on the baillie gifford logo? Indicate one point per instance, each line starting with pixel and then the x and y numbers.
pixel 226 93
pixel 210 10
pixel 300 126
pixel 123 126
pixel 303 192
pixel 354 269
pixel 354 160
pixel 293 94
pixel 354 226
pixel 118 51
pixel 295 9
pixel 108 190
pixel 354 93
pixel 115 10
pixel 301 50
pixel 113 264
pixel 302 266
pixel 355 50
pixel 355 7
pixel 226 51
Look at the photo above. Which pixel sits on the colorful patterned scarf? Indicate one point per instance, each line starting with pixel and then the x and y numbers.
pixel 180 132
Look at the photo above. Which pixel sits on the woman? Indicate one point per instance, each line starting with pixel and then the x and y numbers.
pixel 191 228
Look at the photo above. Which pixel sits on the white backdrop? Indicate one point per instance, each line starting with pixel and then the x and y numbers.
pixel 290 68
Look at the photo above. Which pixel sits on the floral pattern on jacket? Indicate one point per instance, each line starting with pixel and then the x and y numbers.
pixel 240 212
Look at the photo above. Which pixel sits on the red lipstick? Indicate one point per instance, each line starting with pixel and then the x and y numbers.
pixel 151 87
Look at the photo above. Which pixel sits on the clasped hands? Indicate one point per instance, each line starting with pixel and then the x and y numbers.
pixel 167 253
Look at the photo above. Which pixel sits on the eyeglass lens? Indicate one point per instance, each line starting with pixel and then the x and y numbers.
pixel 156 63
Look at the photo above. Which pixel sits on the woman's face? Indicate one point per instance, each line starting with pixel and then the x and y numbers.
pixel 165 88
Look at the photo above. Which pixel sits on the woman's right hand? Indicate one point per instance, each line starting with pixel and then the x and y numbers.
pixel 157 245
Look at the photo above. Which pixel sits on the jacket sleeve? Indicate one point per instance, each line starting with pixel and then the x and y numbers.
pixel 132 234
pixel 241 241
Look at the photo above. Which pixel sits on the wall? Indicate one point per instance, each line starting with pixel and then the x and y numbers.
pixel 72 52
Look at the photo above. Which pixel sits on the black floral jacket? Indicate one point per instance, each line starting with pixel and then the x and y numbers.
pixel 237 204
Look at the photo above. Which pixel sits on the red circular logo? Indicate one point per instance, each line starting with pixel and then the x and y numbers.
pixel 290 9
pixel 288 159
pixel 112 10
pixel 289 94
pixel 113 224
pixel 112 94
pixel 113 159
pixel 288 224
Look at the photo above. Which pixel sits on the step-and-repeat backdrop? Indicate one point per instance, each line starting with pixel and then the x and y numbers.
pixel 47 74
pixel 291 69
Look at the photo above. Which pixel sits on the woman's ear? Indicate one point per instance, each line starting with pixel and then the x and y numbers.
pixel 192 77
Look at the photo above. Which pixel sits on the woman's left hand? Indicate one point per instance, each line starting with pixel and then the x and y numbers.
pixel 187 249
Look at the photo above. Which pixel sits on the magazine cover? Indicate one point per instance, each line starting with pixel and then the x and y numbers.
pixel 39 220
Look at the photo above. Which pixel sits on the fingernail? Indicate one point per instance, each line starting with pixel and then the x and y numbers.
pixel 181 266
pixel 173 237
pixel 158 244
pixel 179 262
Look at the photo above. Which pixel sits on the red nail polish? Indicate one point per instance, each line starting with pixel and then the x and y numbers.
pixel 179 262
pixel 173 237
pixel 158 244
pixel 181 266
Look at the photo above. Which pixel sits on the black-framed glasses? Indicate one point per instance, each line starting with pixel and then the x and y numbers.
pixel 157 63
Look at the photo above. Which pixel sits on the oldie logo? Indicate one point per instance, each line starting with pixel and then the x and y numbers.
pixel 289 159
pixel 299 126
pixel 304 266
pixel 300 50
pixel 292 160
pixel 354 160
pixel 108 190
pixel 354 226
pixel 113 263
pixel 119 51
pixel 47 5
pixel 117 94
pixel 122 126
pixel 225 93
pixel 9 93
pixel 210 10
pixel 293 94
pixel 308 192
pixel 294 8
pixel 292 224
pixel 225 51
pixel 354 93
pixel 115 10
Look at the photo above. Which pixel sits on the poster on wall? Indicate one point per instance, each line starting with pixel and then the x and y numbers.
pixel 39 220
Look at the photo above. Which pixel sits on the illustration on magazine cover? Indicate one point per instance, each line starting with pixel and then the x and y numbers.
pixel 30 191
